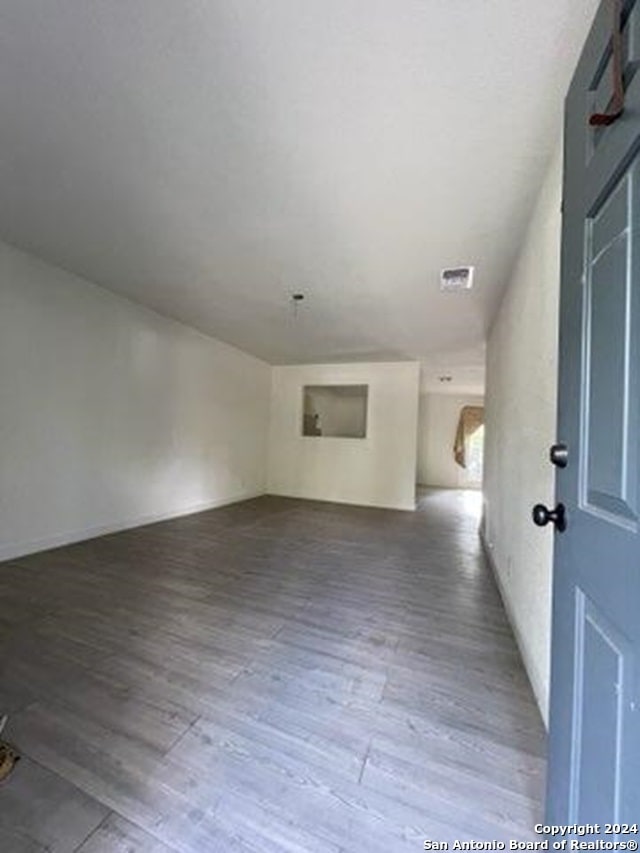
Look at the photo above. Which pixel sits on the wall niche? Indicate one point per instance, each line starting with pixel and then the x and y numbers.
pixel 335 411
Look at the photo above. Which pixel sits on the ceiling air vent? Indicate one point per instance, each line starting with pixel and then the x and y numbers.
pixel 456 278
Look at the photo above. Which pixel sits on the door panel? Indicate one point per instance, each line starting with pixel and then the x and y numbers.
pixel 594 738
pixel 610 409
pixel 600 700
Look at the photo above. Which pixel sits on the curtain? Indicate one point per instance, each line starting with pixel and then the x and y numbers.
pixel 471 419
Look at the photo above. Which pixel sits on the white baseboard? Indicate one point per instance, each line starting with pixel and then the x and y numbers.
pixel 14 550
pixel 405 507
pixel 532 672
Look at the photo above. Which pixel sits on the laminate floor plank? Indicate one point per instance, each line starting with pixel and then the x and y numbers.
pixel 163 797
pixel 279 676
pixel 117 835
pixel 39 810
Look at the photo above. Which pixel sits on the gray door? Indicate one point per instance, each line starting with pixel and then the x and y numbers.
pixel 594 753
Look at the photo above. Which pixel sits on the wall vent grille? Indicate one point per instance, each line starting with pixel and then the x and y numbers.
pixel 454 279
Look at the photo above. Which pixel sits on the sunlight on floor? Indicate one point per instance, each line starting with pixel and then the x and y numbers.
pixel 469 501
pixel 472 501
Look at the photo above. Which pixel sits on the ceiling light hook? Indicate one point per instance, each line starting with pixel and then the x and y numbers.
pixel 296 299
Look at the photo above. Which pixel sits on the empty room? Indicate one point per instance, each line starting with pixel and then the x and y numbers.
pixel 319 496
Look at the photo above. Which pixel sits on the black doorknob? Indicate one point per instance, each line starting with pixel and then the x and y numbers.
pixel 543 516
pixel 559 455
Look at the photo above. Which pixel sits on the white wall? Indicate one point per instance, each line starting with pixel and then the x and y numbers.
pixel 520 425
pixel 111 415
pixel 378 470
pixel 437 425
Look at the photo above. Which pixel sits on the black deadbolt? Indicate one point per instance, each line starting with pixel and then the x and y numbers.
pixel 559 455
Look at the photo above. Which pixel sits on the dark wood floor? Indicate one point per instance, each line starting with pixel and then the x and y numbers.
pixel 275 676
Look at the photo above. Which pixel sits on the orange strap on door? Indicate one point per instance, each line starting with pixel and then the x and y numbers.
pixel 617 103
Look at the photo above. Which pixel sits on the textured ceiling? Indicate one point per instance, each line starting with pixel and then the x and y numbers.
pixel 209 158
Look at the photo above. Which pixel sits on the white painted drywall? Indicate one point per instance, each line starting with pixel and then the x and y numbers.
pixel 437 425
pixel 520 415
pixel 111 415
pixel 378 470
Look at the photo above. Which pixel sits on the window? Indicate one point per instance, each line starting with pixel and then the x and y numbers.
pixel 468 447
pixel 475 452
pixel 335 411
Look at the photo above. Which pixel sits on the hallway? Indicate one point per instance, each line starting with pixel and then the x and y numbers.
pixel 278 675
